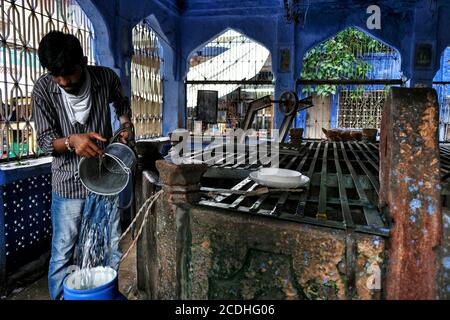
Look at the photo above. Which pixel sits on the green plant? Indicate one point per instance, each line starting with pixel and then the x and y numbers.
pixel 340 58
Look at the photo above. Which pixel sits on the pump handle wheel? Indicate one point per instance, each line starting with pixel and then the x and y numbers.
pixel 288 102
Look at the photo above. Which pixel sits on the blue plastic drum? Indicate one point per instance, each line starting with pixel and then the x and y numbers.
pixel 99 283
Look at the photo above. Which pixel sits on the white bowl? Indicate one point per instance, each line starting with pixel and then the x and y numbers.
pixel 279 178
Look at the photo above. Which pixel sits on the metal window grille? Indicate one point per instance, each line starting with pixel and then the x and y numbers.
pixel 360 110
pixel 23 23
pixel 146 82
pixel 240 70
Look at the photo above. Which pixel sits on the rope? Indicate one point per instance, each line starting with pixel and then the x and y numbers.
pixel 150 200
pixel 137 215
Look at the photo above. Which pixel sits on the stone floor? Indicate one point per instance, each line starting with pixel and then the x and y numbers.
pixel 127 280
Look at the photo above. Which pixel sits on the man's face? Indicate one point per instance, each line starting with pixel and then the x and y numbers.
pixel 71 83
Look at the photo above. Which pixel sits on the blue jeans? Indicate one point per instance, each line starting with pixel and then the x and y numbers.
pixel 66 223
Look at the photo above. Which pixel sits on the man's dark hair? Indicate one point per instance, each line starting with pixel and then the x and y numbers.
pixel 59 53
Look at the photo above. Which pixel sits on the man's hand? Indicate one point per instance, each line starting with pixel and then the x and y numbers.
pixel 125 121
pixel 124 136
pixel 85 146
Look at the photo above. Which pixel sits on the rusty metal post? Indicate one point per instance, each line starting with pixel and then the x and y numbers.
pixel 410 188
pixel 181 186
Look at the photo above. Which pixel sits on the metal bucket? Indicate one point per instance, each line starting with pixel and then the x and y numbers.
pixel 110 174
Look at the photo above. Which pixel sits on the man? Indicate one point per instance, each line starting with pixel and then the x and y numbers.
pixel 73 120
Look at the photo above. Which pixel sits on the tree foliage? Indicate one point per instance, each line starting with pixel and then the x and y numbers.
pixel 341 57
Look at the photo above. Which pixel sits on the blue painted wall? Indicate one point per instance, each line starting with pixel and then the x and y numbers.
pixel 443 91
pixel 443 73
pixel 187 25
pixel 25 218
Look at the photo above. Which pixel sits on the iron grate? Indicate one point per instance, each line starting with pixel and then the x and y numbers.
pixel 343 192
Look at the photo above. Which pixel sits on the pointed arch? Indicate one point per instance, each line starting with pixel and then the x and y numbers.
pixel 235 66
pixel 332 34
pixel 332 72
pixel 102 45
pixel 340 55
pixel 222 33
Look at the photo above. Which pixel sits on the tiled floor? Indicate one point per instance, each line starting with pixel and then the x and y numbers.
pixel 127 280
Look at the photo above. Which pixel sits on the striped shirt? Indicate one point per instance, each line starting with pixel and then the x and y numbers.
pixel 52 122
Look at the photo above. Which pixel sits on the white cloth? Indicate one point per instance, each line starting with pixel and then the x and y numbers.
pixel 78 106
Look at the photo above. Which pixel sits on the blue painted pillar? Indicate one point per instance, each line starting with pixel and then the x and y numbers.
pixel 334 110
pixel 285 79
pixel 174 114
pixel 426 32
pixel 171 85
pixel 124 51
pixel 300 121
pixel 182 94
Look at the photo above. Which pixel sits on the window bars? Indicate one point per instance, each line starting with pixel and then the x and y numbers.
pixel 356 71
pixel 23 23
pixel 240 70
pixel 146 82
pixel 361 110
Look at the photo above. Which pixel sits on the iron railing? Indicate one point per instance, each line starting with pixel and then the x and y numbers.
pixel 146 82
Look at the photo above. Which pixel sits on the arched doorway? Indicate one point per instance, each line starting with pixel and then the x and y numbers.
pixel 146 82
pixel 348 76
pixel 441 83
pixel 224 76
pixel 22 26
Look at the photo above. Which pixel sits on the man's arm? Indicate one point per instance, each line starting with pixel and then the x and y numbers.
pixel 47 129
pixel 82 144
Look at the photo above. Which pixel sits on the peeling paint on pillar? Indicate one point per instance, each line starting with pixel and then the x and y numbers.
pixel 410 188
